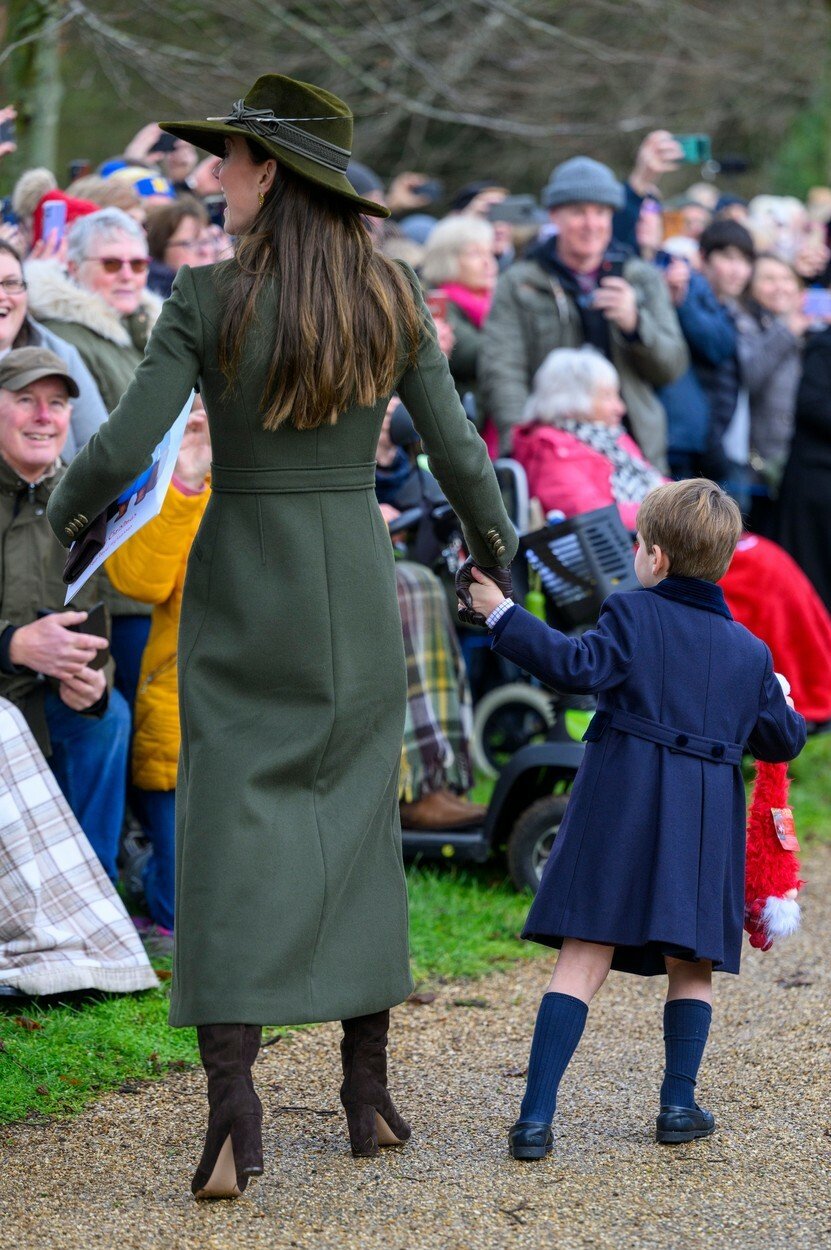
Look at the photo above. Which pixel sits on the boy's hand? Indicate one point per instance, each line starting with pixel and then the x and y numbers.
pixel 484 593
pixel 466 578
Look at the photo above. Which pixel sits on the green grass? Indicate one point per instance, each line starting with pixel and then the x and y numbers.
pixel 54 1060
pixel 463 924
pixel 810 795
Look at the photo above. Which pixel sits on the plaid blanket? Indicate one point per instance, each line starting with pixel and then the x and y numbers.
pixel 439 719
pixel 62 925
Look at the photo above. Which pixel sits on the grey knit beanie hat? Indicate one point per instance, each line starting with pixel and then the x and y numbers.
pixel 583 181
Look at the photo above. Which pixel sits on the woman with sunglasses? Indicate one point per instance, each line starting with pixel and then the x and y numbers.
pixel 291 900
pixel 101 305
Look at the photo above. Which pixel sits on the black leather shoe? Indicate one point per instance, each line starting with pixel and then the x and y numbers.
pixel 529 1139
pixel 677 1124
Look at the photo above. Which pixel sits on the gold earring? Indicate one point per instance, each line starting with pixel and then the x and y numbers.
pixel 261 198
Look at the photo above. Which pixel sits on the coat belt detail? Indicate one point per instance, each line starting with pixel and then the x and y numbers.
pixel 239 481
pixel 712 749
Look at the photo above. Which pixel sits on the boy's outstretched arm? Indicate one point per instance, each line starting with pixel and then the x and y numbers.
pixel 599 660
pixel 780 733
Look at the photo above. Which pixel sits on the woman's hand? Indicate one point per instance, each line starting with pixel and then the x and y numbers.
pixel 51 248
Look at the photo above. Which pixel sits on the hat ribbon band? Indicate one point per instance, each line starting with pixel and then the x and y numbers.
pixel 264 124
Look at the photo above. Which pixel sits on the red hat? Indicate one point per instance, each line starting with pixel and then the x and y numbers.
pixel 74 210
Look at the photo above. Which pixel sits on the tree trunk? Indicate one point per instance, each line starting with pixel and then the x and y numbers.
pixel 33 79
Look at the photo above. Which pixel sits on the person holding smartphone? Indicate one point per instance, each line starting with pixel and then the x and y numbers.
pixel 50 659
pixel 579 286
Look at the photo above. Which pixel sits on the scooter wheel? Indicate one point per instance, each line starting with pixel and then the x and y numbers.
pixel 531 840
pixel 506 719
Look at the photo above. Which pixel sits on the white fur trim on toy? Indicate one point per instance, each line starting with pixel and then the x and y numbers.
pixel 781 916
pixel 784 683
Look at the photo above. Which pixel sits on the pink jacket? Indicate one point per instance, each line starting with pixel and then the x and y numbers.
pixel 565 474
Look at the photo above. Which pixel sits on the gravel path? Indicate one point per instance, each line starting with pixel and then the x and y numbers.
pixel 117 1177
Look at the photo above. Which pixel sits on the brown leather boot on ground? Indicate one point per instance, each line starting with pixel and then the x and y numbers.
pixel 441 810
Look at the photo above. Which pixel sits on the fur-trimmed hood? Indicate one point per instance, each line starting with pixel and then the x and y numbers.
pixel 53 296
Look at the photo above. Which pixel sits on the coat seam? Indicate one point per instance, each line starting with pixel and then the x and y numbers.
pixel 322 910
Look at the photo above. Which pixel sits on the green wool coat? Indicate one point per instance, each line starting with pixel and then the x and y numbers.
pixel 291 901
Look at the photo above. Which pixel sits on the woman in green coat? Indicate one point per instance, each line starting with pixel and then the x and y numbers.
pixel 291 901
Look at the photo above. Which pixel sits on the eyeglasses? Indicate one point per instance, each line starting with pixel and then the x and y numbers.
pixel 112 264
pixel 13 286
pixel 197 245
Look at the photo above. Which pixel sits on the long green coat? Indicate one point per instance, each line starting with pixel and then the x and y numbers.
pixel 291 901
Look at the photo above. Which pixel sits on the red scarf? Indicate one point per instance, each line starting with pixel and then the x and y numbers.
pixel 474 304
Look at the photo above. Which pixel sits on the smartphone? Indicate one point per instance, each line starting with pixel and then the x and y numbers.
pixel 436 302
pixel 816 302
pixel 98 623
pixel 697 148
pixel 54 220
pixel 432 190
pixel 611 266
pixel 8 131
pixel 165 143
pixel 215 206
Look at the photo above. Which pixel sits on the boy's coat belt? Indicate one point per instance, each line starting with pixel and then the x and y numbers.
pixel 711 749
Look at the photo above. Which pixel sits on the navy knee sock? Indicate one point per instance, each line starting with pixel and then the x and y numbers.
pixel 686 1025
pixel 559 1027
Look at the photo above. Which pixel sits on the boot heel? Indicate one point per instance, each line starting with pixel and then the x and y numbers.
pixel 247 1142
pixel 362 1125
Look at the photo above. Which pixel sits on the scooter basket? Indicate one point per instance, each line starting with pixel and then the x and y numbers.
pixel 580 561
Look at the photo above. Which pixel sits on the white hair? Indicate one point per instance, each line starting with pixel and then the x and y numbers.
pixel 565 385
pixel 105 224
pixel 444 243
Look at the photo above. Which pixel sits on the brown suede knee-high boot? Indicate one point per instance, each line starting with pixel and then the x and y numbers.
pixel 233 1143
pixel 371 1116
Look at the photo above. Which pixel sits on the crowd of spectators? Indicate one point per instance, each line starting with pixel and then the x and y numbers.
pixel 600 336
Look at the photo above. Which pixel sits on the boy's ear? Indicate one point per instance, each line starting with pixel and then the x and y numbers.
pixel 660 561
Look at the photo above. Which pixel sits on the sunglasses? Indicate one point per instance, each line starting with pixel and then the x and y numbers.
pixel 112 264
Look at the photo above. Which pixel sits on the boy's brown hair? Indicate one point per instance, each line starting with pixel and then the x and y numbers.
pixel 695 523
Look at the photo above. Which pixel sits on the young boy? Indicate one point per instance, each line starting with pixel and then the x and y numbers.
pixel 647 872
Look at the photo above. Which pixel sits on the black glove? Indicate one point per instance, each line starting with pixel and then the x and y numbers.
pixel 85 549
pixel 468 614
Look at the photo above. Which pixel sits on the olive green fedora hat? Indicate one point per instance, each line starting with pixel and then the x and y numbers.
pixel 305 128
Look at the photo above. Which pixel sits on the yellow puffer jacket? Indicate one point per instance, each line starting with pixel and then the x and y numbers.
pixel 151 567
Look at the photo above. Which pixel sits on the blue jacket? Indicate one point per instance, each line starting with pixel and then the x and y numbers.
pixel 703 399
pixel 650 855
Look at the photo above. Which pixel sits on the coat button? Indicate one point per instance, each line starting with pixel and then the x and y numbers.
pixel 681 740
pixel 67 530
pixel 717 751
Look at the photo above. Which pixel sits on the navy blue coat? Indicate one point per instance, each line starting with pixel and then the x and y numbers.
pixel 650 855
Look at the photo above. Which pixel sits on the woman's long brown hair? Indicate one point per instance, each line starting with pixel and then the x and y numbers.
pixel 347 315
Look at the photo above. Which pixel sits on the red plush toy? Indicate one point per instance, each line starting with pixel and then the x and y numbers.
pixel 772 872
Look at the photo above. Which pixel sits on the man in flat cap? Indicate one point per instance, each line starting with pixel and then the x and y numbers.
pixel 48 664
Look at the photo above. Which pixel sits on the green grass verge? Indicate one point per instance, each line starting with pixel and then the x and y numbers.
pixel 54 1060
